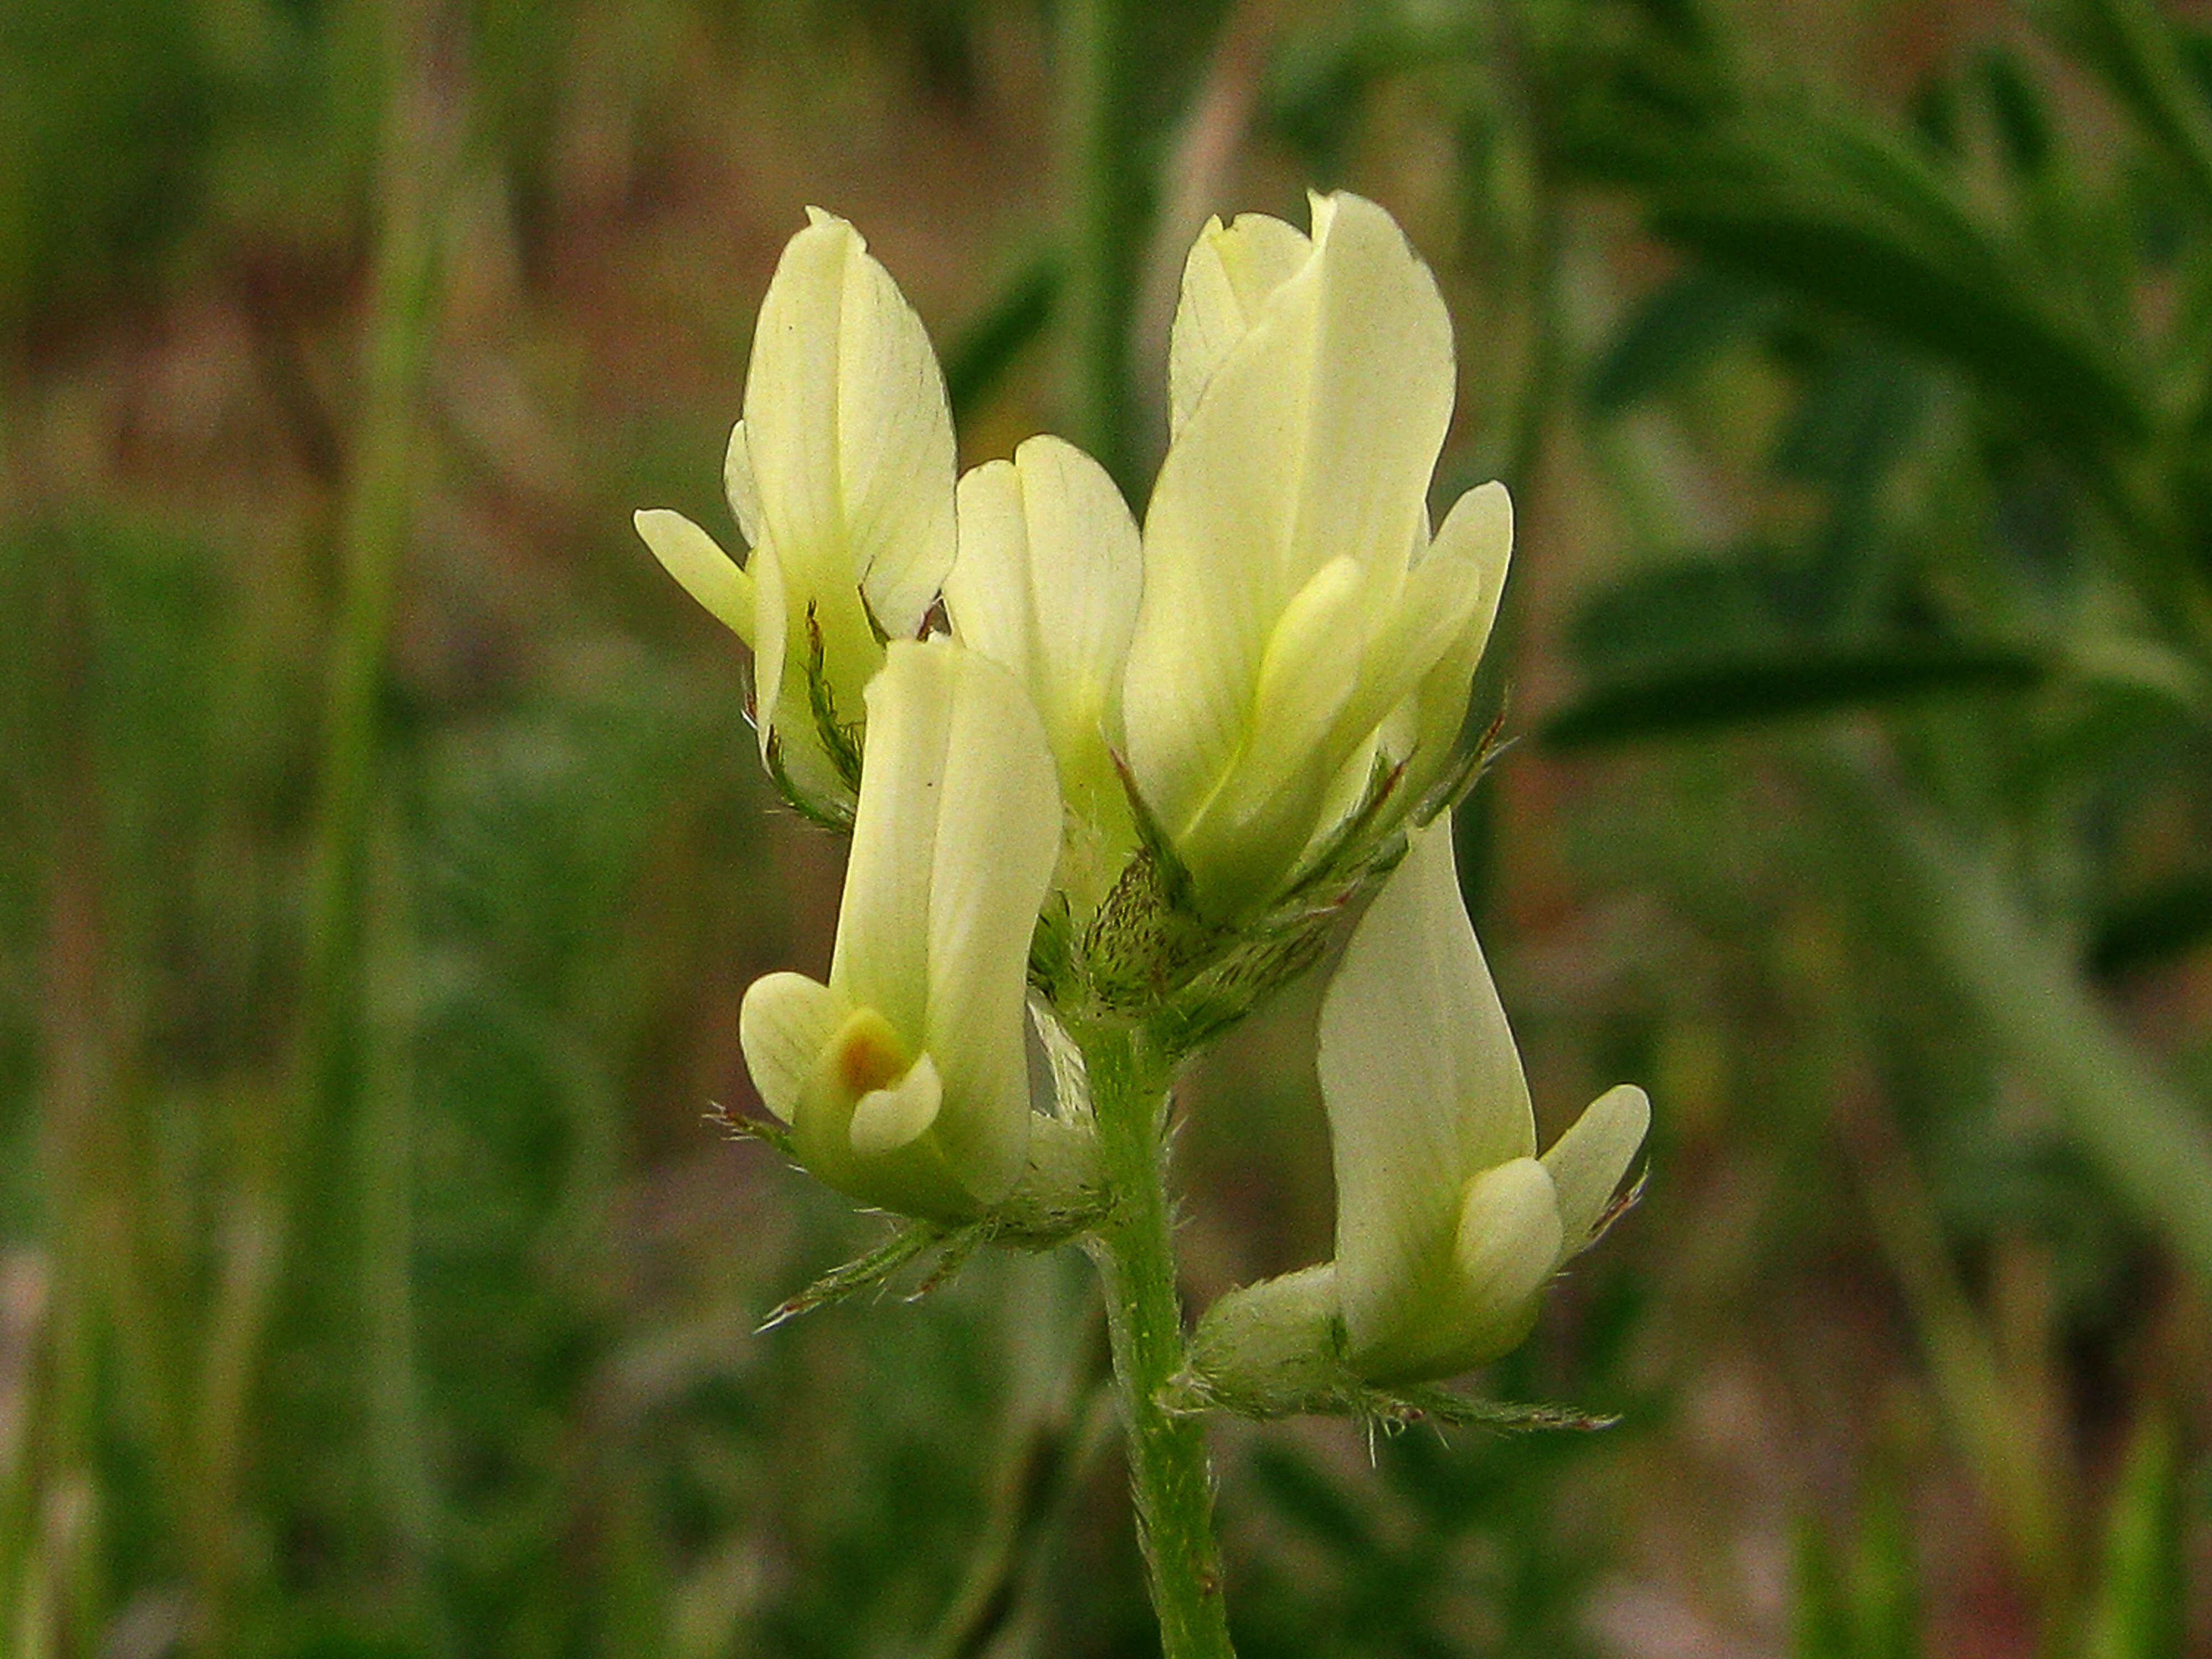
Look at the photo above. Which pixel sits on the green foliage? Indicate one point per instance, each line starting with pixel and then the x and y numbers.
pixel 1788 684
pixel 1865 1605
pixel 1898 417
pixel 2139 1608
pixel 1447 1548
pixel 106 115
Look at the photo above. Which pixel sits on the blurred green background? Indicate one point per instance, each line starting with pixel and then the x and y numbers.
pixel 383 852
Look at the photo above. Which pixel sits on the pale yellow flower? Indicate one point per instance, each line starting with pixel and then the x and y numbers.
pixel 1046 583
pixel 1301 634
pixel 840 479
pixel 904 1077
pixel 1448 1224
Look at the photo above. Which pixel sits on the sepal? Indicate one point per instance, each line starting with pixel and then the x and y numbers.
pixel 1150 952
pixel 1060 1196
pixel 1278 1349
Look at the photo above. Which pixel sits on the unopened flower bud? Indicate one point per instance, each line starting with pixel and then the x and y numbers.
pixel 1300 632
pixel 840 479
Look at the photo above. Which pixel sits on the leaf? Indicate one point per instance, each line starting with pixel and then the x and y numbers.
pixel 1669 699
pixel 990 345
pixel 2018 112
pixel 2133 45
pixel 863 1274
pixel 1679 325
pixel 2155 926
pixel 1829 251
pixel 2139 1608
pixel 1840 212
pixel 1724 604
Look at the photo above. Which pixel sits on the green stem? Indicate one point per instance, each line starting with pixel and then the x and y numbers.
pixel 1128 1077
pixel 1101 187
pixel 49 1526
pixel 2014 1463
pixel 303 1162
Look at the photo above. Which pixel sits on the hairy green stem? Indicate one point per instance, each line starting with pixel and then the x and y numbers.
pixel 1128 1076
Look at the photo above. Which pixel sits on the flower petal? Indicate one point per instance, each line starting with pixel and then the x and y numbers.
pixel 1587 1162
pixel 740 487
pixel 1427 652
pixel 990 595
pixel 1226 281
pixel 1505 1251
pixel 886 1120
pixel 784 1023
pixel 1047 585
pixel 1313 441
pixel 998 840
pixel 1421 1081
pixel 1249 835
pixel 848 431
pixel 1471 553
pixel 863 1124
pixel 1480 1298
pixel 1306 676
pixel 881 959
pixel 1478 532
pixel 708 575
pixel 953 848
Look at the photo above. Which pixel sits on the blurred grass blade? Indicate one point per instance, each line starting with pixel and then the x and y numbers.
pixel 2141 1606
pixel 1885 1580
pixel 1819 1628
pixel 307 1168
pixel 2011 1460
pixel 2169 920
pixel 977 362
pixel 1680 326
pixel 2150 1143
pixel 1309 1501
pixel 2132 44
pixel 1669 699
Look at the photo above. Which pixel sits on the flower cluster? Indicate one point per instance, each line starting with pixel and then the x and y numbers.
pixel 1093 773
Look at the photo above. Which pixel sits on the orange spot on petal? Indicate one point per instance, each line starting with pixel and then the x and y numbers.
pixel 869 1058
